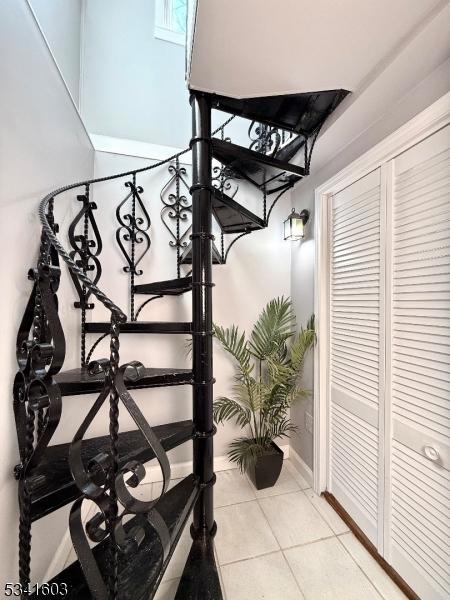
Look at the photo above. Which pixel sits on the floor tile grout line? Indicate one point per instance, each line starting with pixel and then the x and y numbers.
pixel 293 574
pixel 312 542
pixel 327 537
pixel 235 562
pixel 268 526
pixel 282 553
pixel 222 581
pixel 262 498
pixel 290 467
pixel 362 570
pixel 306 543
pixel 320 514
pixel 269 496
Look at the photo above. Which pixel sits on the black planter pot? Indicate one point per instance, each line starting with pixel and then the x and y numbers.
pixel 265 471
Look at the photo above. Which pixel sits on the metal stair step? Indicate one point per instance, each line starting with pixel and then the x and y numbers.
pixel 142 327
pixel 170 287
pixel 186 257
pixel 140 572
pixel 51 483
pixel 259 169
pixel 300 113
pixel 79 381
pixel 232 216
pixel 200 578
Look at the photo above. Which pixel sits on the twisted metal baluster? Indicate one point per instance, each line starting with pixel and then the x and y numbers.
pixel 222 246
pixel 133 247
pixel 25 509
pixel 83 288
pixel 113 437
pixel 265 204
pixel 177 191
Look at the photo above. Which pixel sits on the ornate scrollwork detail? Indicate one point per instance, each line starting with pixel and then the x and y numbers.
pixel 40 350
pixel 86 250
pixel 177 209
pixel 40 355
pixel 91 479
pixel 135 371
pixel 264 138
pixel 92 530
pixel 94 481
pixel 133 228
pixel 225 180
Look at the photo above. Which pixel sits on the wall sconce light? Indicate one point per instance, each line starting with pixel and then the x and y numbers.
pixel 294 226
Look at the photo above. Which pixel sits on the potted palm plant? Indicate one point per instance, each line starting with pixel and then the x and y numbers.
pixel 269 366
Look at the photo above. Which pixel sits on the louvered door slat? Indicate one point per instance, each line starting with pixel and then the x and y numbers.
pixel 355 276
pixel 420 386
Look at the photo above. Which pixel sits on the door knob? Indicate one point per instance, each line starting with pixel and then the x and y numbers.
pixel 431 453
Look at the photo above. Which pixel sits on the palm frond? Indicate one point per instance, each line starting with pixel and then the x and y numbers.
pixel 225 409
pixel 244 452
pixel 281 429
pixel 248 394
pixel 274 326
pixel 235 344
pixel 300 346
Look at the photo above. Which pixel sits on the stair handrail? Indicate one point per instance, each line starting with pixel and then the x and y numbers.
pixel 53 240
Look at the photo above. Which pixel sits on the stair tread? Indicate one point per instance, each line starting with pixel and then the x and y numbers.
pixel 141 571
pixel 259 169
pixel 232 216
pixel 170 287
pixel 186 257
pixel 141 327
pixel 51 484
pixel 300 113
pixel 200 578
pixel 78 381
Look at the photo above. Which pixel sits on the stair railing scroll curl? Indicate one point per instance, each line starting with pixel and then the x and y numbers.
pixel 134 223
pixel 95 483
pixel 36 395
pixel 176 209
pixel 85 253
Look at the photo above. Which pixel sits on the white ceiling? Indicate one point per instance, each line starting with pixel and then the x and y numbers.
pixel 245 48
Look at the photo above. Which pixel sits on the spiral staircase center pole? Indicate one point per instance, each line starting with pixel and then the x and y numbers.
pixel 202 312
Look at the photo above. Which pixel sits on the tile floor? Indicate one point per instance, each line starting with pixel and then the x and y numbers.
pixel 283 543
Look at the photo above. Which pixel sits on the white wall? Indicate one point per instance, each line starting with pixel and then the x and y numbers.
pixel 424 93
pixel 133 83
pixel 60 22
pixel 43 145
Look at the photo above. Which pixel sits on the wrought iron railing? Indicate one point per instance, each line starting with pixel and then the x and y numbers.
pixel 41 352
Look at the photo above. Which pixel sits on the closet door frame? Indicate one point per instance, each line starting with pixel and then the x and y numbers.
pixel 432 119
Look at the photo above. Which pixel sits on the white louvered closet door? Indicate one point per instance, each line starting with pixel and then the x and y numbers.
pixel 356 342
pixel 418 527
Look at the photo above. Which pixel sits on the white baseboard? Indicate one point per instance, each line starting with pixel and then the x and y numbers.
pixel 183 469
pixel 153 474
pixel 299 464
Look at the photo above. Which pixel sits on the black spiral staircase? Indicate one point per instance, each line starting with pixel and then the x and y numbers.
pixel 124 549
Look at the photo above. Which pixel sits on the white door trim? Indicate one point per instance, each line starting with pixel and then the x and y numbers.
pixel 423 125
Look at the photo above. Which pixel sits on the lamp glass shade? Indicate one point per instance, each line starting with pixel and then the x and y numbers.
pixel 294 228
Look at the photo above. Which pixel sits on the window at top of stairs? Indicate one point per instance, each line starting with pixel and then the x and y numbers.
pixel 170 20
